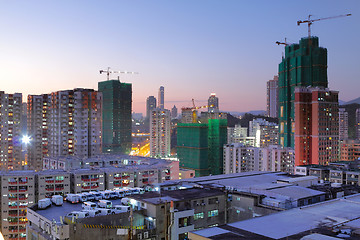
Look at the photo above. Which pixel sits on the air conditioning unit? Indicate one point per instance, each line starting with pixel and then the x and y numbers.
pixel 139 236
pixel 146 234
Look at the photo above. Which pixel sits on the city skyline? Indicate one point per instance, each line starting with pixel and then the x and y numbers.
pixel 192 49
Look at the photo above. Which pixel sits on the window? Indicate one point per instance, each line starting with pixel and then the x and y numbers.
pixel 198 215
pixel 213 213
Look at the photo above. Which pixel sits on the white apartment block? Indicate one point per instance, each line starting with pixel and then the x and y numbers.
pixel 52 182
pixel 343 124
pixel 241 158
pixel 265 133
pixel 10 132
pixel 85 180
pixel 236 134
pixel 17 192
pixel 64 123
pixel 160 126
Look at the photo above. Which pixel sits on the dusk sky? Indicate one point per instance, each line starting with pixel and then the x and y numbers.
pixel 192 48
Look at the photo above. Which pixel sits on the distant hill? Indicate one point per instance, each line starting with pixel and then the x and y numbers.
pixel 254 112
pixel 246 118
pixel 356 100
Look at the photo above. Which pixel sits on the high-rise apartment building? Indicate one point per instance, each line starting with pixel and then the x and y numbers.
pixel 199 146
pixel 10 131
pixel 265 133
pixel 17 193
pixel 213 103
pixel 349 150
pixel 160 126
pixel 64 123
pixel 174 112
pixel 116 116
pixel 235 133
pixel 241 158
pixel 272 97
pixel 357 124
pixel 343 124
pixel 150 105
pixel 161 97
pixel 304 64
pixel 317 126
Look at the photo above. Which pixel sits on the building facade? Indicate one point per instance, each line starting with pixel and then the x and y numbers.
pixel 150 105
pixel 240 158
pixel 161 97
pixel 272 97
pixel 304 64
pixel 349 150
pixel 213 103
pixel 199 146
pixel 64 123
pixel 317 126
pixel 17 193
pixel 160 127
pixel 357 123
pixel 265 133
pixel 10 132
pixel 116 116
pixel 343 124
pixel 174 112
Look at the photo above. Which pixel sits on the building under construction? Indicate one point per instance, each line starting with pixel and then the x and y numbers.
pixel 200 146
pixel 304 64
pixel 116 117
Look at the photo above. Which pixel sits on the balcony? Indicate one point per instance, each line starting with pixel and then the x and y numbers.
pixel 12 207
pixel 59 188
pixel 13 230
pixel 85 179
pixel 95 179
pixel 13 222
pixel 59 181
pixel 85 187
pixel 117 178
pixel 12 183
pixel 49 189
pixel 23 198
pixel 94 187
pixel 22 190
pixel 13 190
pixel 49 181
pixel 23 182
pixel 22 230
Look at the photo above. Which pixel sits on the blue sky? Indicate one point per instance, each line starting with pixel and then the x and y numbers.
pixel 192 48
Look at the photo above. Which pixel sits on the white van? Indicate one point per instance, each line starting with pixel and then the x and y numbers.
pixel 83 197
pixel 73 198
pixel 78 214
pixel 125 201
pixel 105 204
pixel 57 200
pixel 120 193
pixel 89 196
pixel 112 194
pixel 44 203
pixel 120 209
pixel 97 195
pixel 105 195
pixel 103 211
pixel 138 190
pixel 92 213
pixel 89 206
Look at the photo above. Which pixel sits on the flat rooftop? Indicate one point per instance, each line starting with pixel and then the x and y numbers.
pixel 178 195
pixel 344 211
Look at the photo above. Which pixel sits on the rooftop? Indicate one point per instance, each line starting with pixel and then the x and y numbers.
pixel 329 214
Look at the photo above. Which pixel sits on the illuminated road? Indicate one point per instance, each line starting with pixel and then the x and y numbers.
pixel 142 149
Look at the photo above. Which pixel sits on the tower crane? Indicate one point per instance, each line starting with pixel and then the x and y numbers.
pixel 284 43
pixel 108 71
pixel 194 108
pixel 310 21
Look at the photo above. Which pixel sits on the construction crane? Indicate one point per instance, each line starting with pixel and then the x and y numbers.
pixel 108 71
pixel 284 43
pixel 193 109
pixel 310 21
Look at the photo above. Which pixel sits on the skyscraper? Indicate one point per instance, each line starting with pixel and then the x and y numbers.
pixel 160 133
pixel 213 103
pixel 116 116
pixel 272 97
pixel 10 131
pixel 161 98
pixel 64 123
pixel 150 105
pixel 343 124
pixel 304 64
pixel 174 112
pixel 316 126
